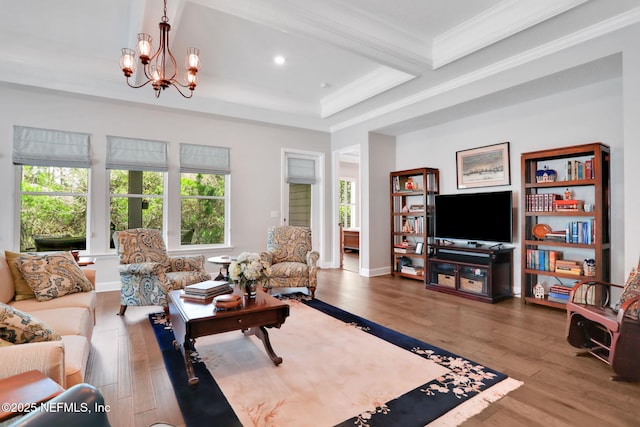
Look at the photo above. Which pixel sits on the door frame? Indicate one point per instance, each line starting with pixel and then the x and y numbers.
pixel 317 192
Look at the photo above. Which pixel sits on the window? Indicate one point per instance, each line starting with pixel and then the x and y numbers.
pixel 53 208
pixel 347 204
pixel 301 175
pixel 202 208
pixel 136 199
pixel 53 189
pixel 300 205
pixel 204 194
pixel 137 170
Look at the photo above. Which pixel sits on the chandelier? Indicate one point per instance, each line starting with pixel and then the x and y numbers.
pixel 160 69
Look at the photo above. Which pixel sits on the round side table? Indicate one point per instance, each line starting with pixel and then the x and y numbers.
pixel 223 261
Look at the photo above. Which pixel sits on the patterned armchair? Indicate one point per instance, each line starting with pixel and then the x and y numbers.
pixel 148 273
pixel 289 260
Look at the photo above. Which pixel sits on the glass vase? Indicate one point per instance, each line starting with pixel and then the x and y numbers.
pixel 251 289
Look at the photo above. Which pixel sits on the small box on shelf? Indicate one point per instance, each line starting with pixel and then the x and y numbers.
pixel 568 205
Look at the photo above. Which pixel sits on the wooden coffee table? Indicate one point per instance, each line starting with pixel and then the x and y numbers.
pixel 191 320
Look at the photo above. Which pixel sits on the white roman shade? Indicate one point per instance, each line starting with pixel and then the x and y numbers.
pixel 301 171
pixel 204 159
pixel 136 154
pixel 46 147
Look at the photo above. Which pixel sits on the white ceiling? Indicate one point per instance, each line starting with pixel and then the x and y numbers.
pixel 371 55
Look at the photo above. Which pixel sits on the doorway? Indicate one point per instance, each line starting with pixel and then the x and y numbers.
pixel 348 212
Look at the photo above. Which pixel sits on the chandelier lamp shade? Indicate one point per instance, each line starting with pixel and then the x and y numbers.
pixel 160 68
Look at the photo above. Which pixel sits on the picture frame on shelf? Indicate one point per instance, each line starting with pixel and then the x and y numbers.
pixel 419 248
pixel 483 166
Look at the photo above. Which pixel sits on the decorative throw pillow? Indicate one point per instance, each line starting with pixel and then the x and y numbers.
pixel 631 289
pixel 52 276
pixel 23 291
pixel 18 327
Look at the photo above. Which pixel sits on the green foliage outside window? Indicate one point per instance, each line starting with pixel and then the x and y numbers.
pixel 53 203
pixel 202 208
pixel 136 199
pixel 346 203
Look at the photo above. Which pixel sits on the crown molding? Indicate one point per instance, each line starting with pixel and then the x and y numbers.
pixel 381 79
pixel 497 23
pixel 597 30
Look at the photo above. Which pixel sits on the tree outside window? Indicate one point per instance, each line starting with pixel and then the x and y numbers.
pixel 203 200
pixel 347 203
pixel 136 199
pixel 53 207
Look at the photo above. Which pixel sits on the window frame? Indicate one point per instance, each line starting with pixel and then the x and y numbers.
pixel 352 204
pixel 227 209
pixel 110 196
pixel 20 193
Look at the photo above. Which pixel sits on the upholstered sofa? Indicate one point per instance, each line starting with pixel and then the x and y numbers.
pixel 57 324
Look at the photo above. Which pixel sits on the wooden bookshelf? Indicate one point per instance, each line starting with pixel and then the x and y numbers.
pixel 412 200
pixel 583 170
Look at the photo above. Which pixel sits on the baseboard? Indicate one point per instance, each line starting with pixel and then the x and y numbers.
pixel 375 271
pixel 108 286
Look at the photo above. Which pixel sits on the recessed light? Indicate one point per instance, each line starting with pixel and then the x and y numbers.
pixel 279 59
pixel 324 85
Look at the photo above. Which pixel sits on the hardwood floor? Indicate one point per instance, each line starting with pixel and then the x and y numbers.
pixel 525 342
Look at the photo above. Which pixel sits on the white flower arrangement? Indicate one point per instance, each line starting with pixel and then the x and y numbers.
pixel 247 268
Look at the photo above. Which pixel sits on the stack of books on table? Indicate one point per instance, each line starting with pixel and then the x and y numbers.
pixel 206 291
pixel 559 293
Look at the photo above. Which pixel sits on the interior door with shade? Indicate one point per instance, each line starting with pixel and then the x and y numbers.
pixel 301 192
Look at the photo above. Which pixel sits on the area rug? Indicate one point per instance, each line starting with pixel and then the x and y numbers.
pixel 338 370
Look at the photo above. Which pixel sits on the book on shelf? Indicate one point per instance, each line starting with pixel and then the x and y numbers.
pixel 581 232
pixel 404 249
pixel 542 259
pixel 541 202
pixel 570 205
pixel 585 294
pixel 577 169
pixel 557 296
pixel 556 299
pixel 560 290
pixel 556 236
pixel 410 269
pixel 568 267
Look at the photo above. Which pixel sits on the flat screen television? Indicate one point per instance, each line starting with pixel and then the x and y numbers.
pixel 474 216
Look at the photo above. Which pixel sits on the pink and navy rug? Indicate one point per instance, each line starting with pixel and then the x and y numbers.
pixel 338 370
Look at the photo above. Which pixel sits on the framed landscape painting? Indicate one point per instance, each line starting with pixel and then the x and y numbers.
pixel 484 166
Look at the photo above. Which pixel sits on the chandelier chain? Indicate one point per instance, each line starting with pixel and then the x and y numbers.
pixel 164 17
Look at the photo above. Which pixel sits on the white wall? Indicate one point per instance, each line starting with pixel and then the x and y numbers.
pixel 588 114
pixel 255 163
